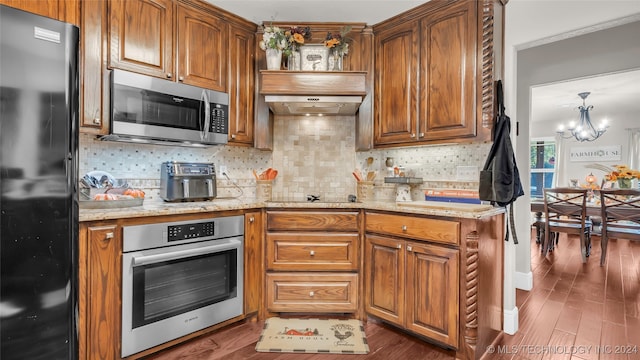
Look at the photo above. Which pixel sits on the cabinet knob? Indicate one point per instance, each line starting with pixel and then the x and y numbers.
pixel 409 248
pixel 169 75
pixel 399 246
pixel 312 252
pixel 252 219
pixel 413 135
pixel 97 121
pixel 233 136
pixel 421 135
pixel 311 293
pixel 181 78
pixel 404 227
pixel 108 235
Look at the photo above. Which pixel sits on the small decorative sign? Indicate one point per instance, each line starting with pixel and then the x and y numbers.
pixel 595 153
pixel 314 57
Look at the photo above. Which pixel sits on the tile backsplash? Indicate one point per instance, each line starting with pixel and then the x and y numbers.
pixel 313 155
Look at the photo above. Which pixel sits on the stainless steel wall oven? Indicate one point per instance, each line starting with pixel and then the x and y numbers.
pixel 178 278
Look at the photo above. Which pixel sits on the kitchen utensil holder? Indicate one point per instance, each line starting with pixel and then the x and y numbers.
pixel 364 191
pixel 264 190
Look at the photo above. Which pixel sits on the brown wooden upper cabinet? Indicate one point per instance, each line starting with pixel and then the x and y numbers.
pixel 63 10
pixel 447 73
pixel 141 39
pixel 431 82
pixel 396 84
pixel 241 84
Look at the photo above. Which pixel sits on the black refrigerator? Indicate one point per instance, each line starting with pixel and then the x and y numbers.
pixel 38 182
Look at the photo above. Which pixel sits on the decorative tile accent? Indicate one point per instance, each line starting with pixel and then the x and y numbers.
pixel 314 155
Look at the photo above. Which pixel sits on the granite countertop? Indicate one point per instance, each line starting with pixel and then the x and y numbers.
pixel 157 208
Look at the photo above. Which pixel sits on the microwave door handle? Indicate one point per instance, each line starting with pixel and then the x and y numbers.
pixel 210 187
pixel 204 134
pixel 185 188
pixel 152 259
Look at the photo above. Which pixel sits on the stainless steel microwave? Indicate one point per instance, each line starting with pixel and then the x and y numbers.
pixel 153 110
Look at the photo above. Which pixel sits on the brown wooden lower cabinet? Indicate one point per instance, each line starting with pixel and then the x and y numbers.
pixel 413 285
pixel 99 273
pixel 438 277
pixel 419 278
pixel 253 260
pixel 312 261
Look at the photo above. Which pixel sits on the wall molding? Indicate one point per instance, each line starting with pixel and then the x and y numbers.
pixel 511 321
pixel 523 281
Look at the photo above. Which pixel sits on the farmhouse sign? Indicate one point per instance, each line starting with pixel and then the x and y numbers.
pixel 596 153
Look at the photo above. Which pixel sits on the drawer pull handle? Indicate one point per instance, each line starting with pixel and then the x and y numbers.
pixel 404 227
pixel 312 253
pixel 311 293
pixel 109 235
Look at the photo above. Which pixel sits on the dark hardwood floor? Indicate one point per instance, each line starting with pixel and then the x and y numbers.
pixel 575 311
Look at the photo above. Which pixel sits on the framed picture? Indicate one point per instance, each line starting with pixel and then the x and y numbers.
pixel 314 57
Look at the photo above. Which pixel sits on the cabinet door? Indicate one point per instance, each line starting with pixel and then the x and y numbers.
pixel 141 36
pixel 396 84
pixel 447 73
pixel 202 49
pixel 252 261
pixel 432 292
pixel 99 291
pixel 385 278
pixel 63 10
pixel 95 86
pixel 241 85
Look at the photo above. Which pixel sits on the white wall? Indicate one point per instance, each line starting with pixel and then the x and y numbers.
pixel 616 134
pixel 529 24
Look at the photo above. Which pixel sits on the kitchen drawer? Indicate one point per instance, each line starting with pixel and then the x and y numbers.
pixel 442 231
pixel 312 292
pixel 312 251
pixel 312 220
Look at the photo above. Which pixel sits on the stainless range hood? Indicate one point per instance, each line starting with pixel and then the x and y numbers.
pixel 313 105
pixel 313 92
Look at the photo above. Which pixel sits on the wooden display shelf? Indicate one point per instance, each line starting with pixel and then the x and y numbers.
pixel 278 82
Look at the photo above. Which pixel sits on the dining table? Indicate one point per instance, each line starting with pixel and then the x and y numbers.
pixel 593 213
pixel 593 210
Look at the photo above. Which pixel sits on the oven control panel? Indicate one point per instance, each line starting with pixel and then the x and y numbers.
pixel 190 231
pixel 161 234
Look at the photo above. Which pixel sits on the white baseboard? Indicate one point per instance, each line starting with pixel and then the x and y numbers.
pixel 523 281
pixel 511 321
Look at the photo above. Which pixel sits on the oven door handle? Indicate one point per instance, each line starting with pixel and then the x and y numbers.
pixel 181 254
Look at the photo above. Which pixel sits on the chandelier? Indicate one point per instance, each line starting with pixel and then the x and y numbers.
pixel 584 129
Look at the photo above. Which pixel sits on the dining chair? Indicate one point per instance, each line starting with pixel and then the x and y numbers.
pixel 620 210
pixel 565 210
